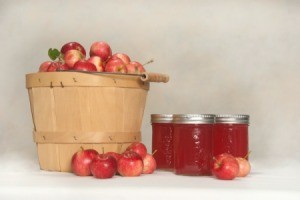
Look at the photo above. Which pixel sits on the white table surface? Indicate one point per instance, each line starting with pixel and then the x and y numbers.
pixel 265 182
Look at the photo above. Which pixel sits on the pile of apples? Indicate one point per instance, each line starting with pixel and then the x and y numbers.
pixel 72 56
pixel 227 167
pixel 133 162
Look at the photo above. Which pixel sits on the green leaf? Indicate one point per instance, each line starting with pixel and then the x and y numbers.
pixel 53 53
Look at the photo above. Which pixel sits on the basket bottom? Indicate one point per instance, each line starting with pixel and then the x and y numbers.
pixel 57 157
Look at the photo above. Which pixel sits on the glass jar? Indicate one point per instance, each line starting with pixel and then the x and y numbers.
pixel 193 143
pixel 230 135
pixel 162 140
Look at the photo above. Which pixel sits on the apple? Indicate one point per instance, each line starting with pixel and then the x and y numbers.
pixel 149 164
pixel 44 66
pixel 125 58
pixel 244 167
pixel 62 67
pixel 84 65
pixel 115 65
pixel 117 156
pixel 130 164
pixel 82 160
pixel 225 167
pixel 57 66
pixel 139 148
pixel 96 60
pixel 101 49
pixel 72 56
pixel 103 166
pixel 72 46
pixel 135 68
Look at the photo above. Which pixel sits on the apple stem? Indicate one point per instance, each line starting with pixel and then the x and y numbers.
pixel 102 150
pixel 81 147
pixel 247 155
pixel 150 61
pixel 154 152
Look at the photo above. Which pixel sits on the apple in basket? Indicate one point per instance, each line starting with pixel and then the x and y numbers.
pixel 97 61
pixel 101 49
pixel 57 66
pixel 72 56
pixel 135 68
pixel 124 57
pixel 84 65
pixel 115 65
pixel 103 166
pixel 72 46
pixel 44 66
pixel 82 160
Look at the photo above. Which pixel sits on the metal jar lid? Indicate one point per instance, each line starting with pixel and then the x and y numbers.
pixel 161 118
pixel 193 119
pixel 232 119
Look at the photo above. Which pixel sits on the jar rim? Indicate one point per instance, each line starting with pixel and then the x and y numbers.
pixel 161 118
pixel 232 118
pixel 193 118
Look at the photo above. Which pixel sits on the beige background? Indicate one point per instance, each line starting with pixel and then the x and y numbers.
pixel 222 56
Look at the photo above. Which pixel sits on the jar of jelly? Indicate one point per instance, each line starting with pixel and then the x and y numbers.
pixel 230 135
pixel 193 143
pixel 162 140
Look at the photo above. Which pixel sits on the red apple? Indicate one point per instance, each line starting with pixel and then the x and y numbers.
pixel 125 58
pixel 139 148
pixel 44 66
pixel 103 166
pixel 57 66
pixel 101 49
pixel 135 68
pixel 149 164
pixel 225 167
pixel 62 67
pixel 72 56
pixel 84 65
pixel 96 60
pixel 82 160
pixel 244 167
pixel 73 46
pixel 115 65
pixel 130 164
pixel 117 156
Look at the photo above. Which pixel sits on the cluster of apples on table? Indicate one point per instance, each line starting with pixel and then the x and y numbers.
pixel 227 167
pixel 134 161
pixel 72 56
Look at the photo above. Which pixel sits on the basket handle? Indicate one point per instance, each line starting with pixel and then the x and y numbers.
pixel 154 77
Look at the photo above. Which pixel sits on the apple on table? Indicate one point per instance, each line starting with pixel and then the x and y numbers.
pixel 82 160
pixel 103 166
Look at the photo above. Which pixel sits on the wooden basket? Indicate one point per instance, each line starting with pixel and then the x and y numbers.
pixel 71 110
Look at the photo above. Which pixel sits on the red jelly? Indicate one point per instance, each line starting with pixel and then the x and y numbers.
pixel 162 140
pixel 230 135
pixel 193 144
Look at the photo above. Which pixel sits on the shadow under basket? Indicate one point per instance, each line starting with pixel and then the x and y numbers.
pixel 70 110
